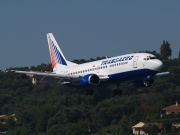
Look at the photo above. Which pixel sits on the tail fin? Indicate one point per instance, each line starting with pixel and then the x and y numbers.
pixel 57 58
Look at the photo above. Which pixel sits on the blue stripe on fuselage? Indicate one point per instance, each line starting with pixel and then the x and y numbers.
pixel 131 75
pixel 125 76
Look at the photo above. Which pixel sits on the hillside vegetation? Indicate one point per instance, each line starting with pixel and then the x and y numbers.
pixel 53 109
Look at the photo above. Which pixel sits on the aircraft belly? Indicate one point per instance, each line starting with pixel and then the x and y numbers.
pixel 131 75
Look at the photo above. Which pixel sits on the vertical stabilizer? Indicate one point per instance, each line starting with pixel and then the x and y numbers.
pixel 57 58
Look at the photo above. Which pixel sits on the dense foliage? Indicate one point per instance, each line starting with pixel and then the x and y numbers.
pixel 165 50
pixel 59 110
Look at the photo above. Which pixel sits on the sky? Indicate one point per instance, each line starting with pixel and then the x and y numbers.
pixel 85 29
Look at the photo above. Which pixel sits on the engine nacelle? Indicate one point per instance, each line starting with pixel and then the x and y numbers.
pixel 91 79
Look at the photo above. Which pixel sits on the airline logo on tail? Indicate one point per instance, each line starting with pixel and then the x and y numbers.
pixel 56 57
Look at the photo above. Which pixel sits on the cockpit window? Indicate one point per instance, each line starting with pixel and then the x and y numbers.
pixel 151 58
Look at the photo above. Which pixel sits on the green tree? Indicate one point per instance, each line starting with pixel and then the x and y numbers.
pixel 80 128
pixel 151 129
pixel 167 125
pixel 18 131
pixel 165 50
pixel 10 122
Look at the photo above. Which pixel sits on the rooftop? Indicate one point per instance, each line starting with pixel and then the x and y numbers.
pixel 172 108
pixel 142 124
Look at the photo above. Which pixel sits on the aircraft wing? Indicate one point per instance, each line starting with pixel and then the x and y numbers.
pixel 51 74
pixel 162 74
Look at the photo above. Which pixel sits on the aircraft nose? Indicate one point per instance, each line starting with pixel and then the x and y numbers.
pixel 158 65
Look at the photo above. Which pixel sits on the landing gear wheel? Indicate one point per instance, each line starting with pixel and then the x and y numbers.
pixel 147 84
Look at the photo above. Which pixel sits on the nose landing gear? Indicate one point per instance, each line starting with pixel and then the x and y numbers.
pixel 148 83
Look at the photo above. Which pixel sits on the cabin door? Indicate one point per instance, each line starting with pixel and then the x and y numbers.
pixel 135 65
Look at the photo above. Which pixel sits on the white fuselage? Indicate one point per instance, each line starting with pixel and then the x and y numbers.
pixel 139 64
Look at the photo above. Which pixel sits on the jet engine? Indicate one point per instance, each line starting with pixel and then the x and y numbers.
pixel 91 79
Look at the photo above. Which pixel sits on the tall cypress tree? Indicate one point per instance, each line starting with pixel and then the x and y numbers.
pixel 165 50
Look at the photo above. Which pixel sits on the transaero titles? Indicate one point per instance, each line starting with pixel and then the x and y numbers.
pixel 126 58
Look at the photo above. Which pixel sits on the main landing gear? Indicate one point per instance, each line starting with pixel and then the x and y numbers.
pixel 88 92
pixel 117 91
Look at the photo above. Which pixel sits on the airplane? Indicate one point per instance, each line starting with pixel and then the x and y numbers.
pixel 137 67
